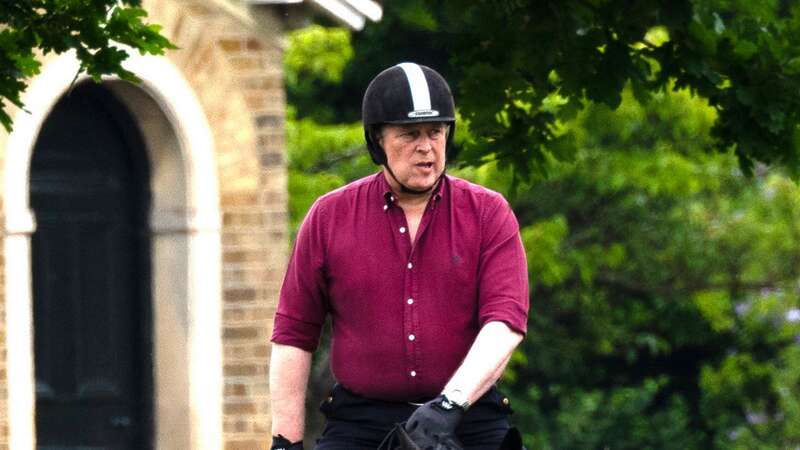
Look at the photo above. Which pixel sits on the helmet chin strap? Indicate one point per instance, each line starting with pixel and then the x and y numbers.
pixel 407 190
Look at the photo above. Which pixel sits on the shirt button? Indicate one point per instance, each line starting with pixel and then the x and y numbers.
pixel 402 229
pixel 413 373
pixel 385 207
pixel 410 301
pixel 411 337
pixel 410 265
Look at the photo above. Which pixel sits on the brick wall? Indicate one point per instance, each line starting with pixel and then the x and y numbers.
pixel 237 73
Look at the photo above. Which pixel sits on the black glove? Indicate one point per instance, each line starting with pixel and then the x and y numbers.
pixel 433 425
pixel 281 443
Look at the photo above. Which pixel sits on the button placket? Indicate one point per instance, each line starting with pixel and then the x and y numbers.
pixel 410 322
pixel 411 313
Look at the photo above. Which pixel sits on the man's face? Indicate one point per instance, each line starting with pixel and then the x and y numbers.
pixel 415 152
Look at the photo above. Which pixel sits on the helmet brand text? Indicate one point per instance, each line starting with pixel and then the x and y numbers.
pixel 423 113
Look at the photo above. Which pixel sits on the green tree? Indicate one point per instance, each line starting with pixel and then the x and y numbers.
pixel 323 153
pixel 520 68
pixel 91 28
pixel 663 281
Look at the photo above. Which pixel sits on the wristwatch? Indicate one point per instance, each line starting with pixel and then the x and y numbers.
pixel 457 398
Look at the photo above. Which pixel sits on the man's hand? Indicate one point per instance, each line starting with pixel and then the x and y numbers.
pixel 281 443
pixel 433 425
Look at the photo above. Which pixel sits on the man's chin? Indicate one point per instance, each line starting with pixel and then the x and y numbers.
pixel 426 185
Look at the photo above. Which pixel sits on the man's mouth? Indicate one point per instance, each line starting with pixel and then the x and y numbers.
pixel 426 165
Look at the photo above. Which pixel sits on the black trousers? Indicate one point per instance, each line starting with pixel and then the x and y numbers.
pixel 358 423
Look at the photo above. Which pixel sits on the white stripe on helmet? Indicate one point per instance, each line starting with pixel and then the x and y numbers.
pixel 420 95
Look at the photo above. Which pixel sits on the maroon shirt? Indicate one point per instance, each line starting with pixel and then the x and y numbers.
pixel 404 316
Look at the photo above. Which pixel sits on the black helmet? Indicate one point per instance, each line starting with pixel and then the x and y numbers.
pixel 406 93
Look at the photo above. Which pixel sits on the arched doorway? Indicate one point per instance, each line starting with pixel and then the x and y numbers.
pixel 185 251
pixel 90 254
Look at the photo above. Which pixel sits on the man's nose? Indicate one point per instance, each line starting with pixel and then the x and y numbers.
pixel 425 144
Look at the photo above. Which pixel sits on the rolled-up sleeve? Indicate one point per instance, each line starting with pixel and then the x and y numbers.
pixel 503 270
pixel 302 305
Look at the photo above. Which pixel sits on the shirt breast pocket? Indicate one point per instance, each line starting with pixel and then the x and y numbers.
pixel 455 281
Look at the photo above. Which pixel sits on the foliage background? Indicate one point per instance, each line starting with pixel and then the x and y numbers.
pixel 93 29
pixel 663 257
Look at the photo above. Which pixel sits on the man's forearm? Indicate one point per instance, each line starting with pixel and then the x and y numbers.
pixel 288 377
pixel 485 361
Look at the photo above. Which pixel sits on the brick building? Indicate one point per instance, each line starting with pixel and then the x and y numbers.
pixel 145 238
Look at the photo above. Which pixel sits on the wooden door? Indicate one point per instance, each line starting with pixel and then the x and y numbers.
pixel 91 281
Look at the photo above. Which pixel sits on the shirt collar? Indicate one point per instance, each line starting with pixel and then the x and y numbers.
pixel 389 198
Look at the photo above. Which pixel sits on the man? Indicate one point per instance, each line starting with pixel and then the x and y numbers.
pixel 424 278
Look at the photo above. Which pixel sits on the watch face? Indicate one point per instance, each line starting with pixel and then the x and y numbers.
pixel 457 398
